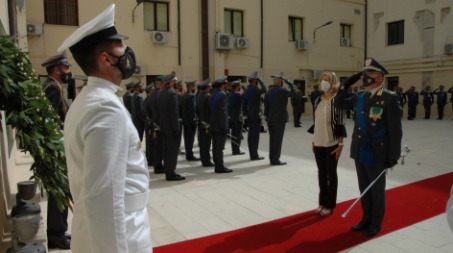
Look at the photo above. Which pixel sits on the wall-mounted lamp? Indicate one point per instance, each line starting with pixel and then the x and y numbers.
pixel 314 32
pixel 138 3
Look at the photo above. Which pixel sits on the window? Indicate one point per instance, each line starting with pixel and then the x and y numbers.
pixel 233 22
pixel 61 12
pixel 295 29
pixel 392 82
pixel 395 33
pixel 345 31
pixel 155 15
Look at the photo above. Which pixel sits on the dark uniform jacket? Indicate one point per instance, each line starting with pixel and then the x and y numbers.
pixel 203 108
pixel 252 98
pixel 276 103
pixel 54 92
pixel 412 97
pixel 441 97
pixel 155 107
pixel 188 108
pixel 235 107
pixel 218 105
pixel 382 110
pixel 127 97
pixel 427 98
pixel 138 117
pixel 168 101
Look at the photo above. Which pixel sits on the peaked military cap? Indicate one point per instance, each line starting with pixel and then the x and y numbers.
pixel 220 80
pixel 129 85
pixel 98 29
pixel 149 87
pixel 278 76
pixel 56 60
pixel 169 77
pixel 139 83
pixel 236 82
pixel 373 65
pixel 204 83
pixel 160 78
pixel 253 76
pixel 179 82
pixel 190 82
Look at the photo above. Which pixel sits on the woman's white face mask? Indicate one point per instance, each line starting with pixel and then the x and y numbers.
pixel 325 86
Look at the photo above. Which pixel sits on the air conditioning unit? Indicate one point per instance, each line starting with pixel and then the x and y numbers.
pixel 159 37
pixel 34 29
pixel 224 41
pixel 448 49
pixel 242 42
pixel 140 70
pixel 301 44
pixel 315 73
pixel 345 42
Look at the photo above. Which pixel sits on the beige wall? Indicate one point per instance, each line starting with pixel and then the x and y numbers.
pixel 428 27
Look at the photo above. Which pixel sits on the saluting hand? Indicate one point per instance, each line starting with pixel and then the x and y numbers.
pixel 337 152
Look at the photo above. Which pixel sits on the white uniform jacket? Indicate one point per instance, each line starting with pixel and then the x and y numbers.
pixel 105 168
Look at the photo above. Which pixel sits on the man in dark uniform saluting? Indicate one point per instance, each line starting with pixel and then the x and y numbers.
pixel 252 98
pixel 276 113
pixel 159 167
pixel 57 68
pixel 202 110
pixel 170 125
pixel 127 96
pixel 138 117
pixel 218 124
pixel 236 117
pixel 376 139
pixel 147 110
pixel 412 102
pixel 189 119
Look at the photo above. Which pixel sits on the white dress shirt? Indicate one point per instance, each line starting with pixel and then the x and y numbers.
pixel 105 164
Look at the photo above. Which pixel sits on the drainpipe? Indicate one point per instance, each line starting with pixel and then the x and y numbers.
pixel 365 48
pixel 204 39
pixel 179 32
pixel 12 19
pixel 262 35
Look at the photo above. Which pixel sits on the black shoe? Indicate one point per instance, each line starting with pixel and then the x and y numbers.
pixel 278 163
pixel 210 164
pixel 361 226
pixel 263 131
pixel 192 158
pixel 372 230
pixel 61 242
pixel 181 152
pixel 223 170
pixel 410 118
pixel 175 177
pixel 297 126
pixel 257 158
pixel 240 153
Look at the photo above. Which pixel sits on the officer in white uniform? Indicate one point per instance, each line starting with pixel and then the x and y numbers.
pixel 107 170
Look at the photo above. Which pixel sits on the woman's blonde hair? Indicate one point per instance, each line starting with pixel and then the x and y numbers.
pixel 332 79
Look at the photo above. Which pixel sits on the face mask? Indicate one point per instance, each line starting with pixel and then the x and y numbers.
pixel 325 86
pixel 367 81
pixel 126 63
pixel 66 77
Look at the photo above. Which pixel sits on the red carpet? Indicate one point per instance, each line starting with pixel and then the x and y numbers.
pixel 306 232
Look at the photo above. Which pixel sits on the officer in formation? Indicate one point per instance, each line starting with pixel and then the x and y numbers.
pixel 252 100
pixel 189 119
pixel 58 71
pixel 428 100
pixel 235 117
pixel 376 140
pixel 441 101
pixel 156 129
pixel 127 96
pixel 218 123
pixel 147 110
pixel 137 114
pixel 203 114
pixel 412 102
pixel 276 113
pixel 168 110
pixel 298 103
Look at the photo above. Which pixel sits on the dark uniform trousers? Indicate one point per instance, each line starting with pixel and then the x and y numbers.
pixel 189 138
pixel 412 110
pixel 297 113
pixel 373 202
pixel 205 144
pixel 218 144
pixel 57 223
pixel 276 131
pixel 171 143
pixel 149 143
pixel 427 107
pixel 236 132
pixel 253 137
pixel 159 150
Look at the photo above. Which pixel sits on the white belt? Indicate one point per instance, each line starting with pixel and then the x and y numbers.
pixel 135 202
